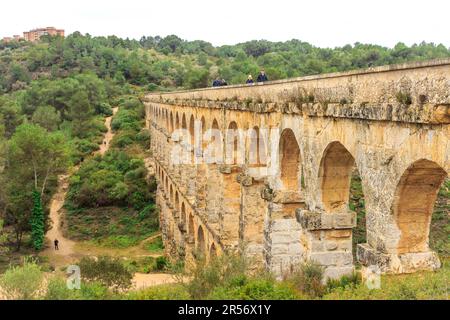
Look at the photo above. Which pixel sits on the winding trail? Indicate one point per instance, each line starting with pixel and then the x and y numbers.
pixel 70 251
pixel 66 252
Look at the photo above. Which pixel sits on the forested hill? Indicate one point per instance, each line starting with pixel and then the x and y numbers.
pixel 167 63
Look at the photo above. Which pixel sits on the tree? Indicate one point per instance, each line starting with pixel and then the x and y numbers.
pixel 37 222
pixel 109 271
pixel 3 237
pixel 47 117
pixel 22 282
pixel 34 155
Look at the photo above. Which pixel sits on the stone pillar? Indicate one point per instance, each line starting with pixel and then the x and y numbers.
pixel 328 239
pixel 251 222
pixel 283 249
pixel 231 206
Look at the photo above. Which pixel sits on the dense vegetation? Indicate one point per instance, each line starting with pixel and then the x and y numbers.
pixel 229 278
pixel 170 62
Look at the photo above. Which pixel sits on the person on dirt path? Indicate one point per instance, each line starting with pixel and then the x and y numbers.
pixel 56 242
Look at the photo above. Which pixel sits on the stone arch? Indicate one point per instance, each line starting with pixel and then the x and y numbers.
pixel 335 172
pixel 257 148
pixel 177 121
pixel 290 162
pixel 183 213
pixel 184 128
pixel 201 240
pixel 177 201
pixel 413 205
pixel 167 119
pixel 171 122
pixel 192 130
pixel 213 144
pixel 191 228
pixel 232 150
pixel 171 195
pixel 202 141
pixel 213 251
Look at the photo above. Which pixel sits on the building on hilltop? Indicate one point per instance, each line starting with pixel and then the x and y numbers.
pixel 36 34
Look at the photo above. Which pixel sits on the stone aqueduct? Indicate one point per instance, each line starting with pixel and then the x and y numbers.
pixel 390 123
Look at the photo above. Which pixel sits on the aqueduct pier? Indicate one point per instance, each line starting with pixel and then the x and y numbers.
pixel 390 123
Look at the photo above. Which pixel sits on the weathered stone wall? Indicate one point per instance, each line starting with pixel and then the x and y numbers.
pixel 391 123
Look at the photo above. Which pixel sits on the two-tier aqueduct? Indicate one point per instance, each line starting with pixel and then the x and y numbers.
pixel 390 123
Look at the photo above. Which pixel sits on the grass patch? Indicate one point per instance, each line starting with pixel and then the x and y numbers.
pixel 111 226
pixel 154 246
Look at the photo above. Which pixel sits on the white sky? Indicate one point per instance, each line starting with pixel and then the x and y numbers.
pixel 324 23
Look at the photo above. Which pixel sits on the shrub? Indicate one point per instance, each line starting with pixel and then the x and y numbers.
pixel 404 98
pixel 206 277
pixel 161 292
pixel 104 108
pixel 254 289
pixel 308 279
pixel 57 290
pixel 107 271
pixel 22 282
pixel 344 282
pixel 161 263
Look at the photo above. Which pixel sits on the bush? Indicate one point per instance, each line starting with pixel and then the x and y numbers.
pixel 350 281
pixel 104 109
pixel 22 282
pixel 57 290
pixel 254 289
pixel 161 263
pixel 162 292
pixel 218 272
pixel 107 271
pixel 308 279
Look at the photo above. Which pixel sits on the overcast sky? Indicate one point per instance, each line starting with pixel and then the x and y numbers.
pixel 324 23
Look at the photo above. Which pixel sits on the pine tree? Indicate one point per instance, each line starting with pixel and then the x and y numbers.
pixel 37 222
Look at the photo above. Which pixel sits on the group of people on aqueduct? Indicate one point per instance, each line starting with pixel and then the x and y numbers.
pixel 262 77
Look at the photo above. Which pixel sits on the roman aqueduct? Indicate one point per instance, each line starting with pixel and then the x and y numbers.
pixel 279 177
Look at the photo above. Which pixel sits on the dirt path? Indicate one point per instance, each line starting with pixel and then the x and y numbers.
pixel 109 135
pixel 70 251
pixel 67 252
pixel 143 280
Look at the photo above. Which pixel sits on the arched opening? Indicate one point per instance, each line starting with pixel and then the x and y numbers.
pixel 213 252
pixel 171 194
pixel 415 197
pixel 201 240
pixel 335 172
pixel 216 142
pixel 183 213
pixel 232 151
pixel 171 123
pixel 203 130
pixel 177 122
pixel 289 154
pixel 192 131
pixel 191 228
pixel 177 201
pixel 257 149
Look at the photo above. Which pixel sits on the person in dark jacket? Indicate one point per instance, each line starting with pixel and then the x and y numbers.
pixel 262 76
pixel 249 79
pixel 217 83
pixel 56 243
